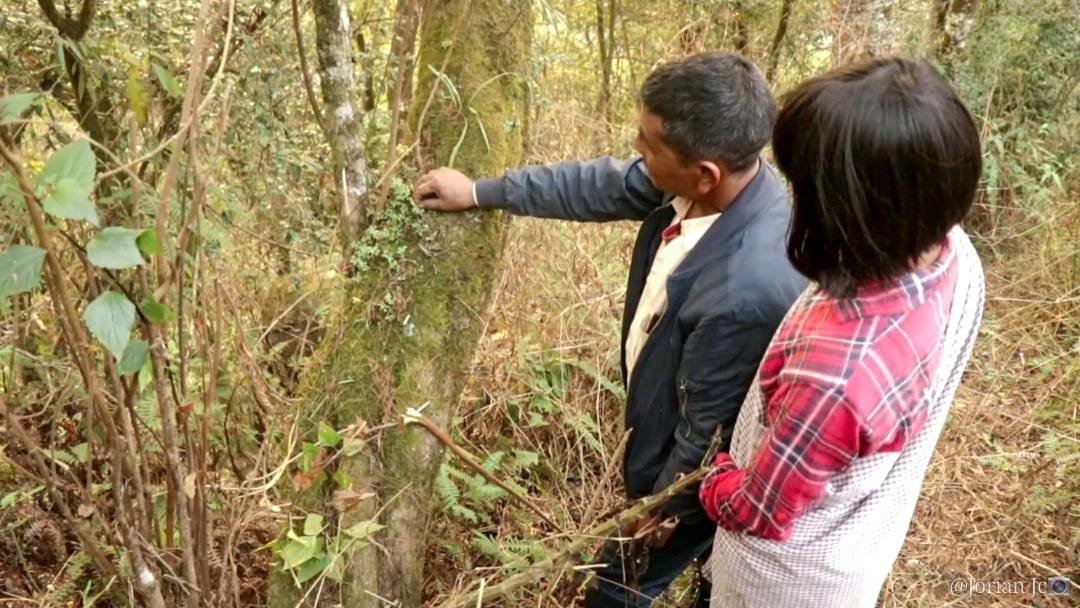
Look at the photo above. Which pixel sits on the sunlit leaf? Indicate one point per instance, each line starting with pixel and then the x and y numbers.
pixel 67 181
pixel 313 524
pixel 115 248
pixel 328 436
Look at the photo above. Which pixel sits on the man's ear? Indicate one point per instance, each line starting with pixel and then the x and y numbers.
pixel 709 176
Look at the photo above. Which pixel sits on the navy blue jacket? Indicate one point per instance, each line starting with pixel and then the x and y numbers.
pixel 725 300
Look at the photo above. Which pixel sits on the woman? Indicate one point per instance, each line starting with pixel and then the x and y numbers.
pixel 832 443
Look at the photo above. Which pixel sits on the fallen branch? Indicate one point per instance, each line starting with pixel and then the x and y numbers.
pixel 415 417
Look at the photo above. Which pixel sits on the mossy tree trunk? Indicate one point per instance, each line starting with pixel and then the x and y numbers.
pixel 406 330
pixel 488 42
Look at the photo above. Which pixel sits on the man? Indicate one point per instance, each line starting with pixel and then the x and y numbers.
pixel 709 282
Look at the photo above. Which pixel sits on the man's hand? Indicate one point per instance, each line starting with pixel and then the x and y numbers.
pixel 445 190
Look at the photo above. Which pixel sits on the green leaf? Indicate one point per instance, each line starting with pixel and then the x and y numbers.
pixel 110 318
pixel 313 524
pixel 148 242
pixel 364 529
pixel 312 567
pixel 328 436
pixel 20 269
pixel 115 248
pixel 14 106
pixel 299 550
pixel 336 570
pixel 82 452
pixel 134 356
pixel 354 446
pixel 341 478
pixel 155 311
pixel 168 81
pixel 68 180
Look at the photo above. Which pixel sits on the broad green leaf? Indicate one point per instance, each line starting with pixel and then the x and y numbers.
pixel 299 549
pixel 155 311
pixel 110 318
pixel 148 242
pixel 20 269
pixel 68 181
pixel 312 567
pixel 14 106
pixel 115 248
pixel 313 524
pixel 134 356
pixel 328 436
pixel 364 529
pixel 168 81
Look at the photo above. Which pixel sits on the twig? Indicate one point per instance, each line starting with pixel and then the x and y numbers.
pixel 613 465
pixel 305 71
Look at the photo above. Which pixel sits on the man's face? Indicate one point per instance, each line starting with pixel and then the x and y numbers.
pixel 665 167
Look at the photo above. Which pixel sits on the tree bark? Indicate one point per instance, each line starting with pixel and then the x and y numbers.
pixel 778 38
pixel 333 42
pixel 862 27
pixel 450 289
pixel 950 23
pixel 742 30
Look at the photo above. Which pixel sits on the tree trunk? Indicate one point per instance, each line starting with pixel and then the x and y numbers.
pixel 448 294
pixel 405 333
pixel 862 27
pixel 950 23
pixel 778 39
pixel 333 43
pixel 605 37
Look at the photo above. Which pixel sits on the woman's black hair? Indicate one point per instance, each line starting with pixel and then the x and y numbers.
pixel 883 159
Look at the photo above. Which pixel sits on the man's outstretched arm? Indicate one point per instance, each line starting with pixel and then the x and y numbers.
pixel 598 190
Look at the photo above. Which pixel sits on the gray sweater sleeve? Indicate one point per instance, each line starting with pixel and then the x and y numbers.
pixel 597 190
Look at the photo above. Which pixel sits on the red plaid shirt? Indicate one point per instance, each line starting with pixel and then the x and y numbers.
pixel 842 379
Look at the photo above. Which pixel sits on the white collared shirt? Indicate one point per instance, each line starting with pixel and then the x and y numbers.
pixel 654 297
